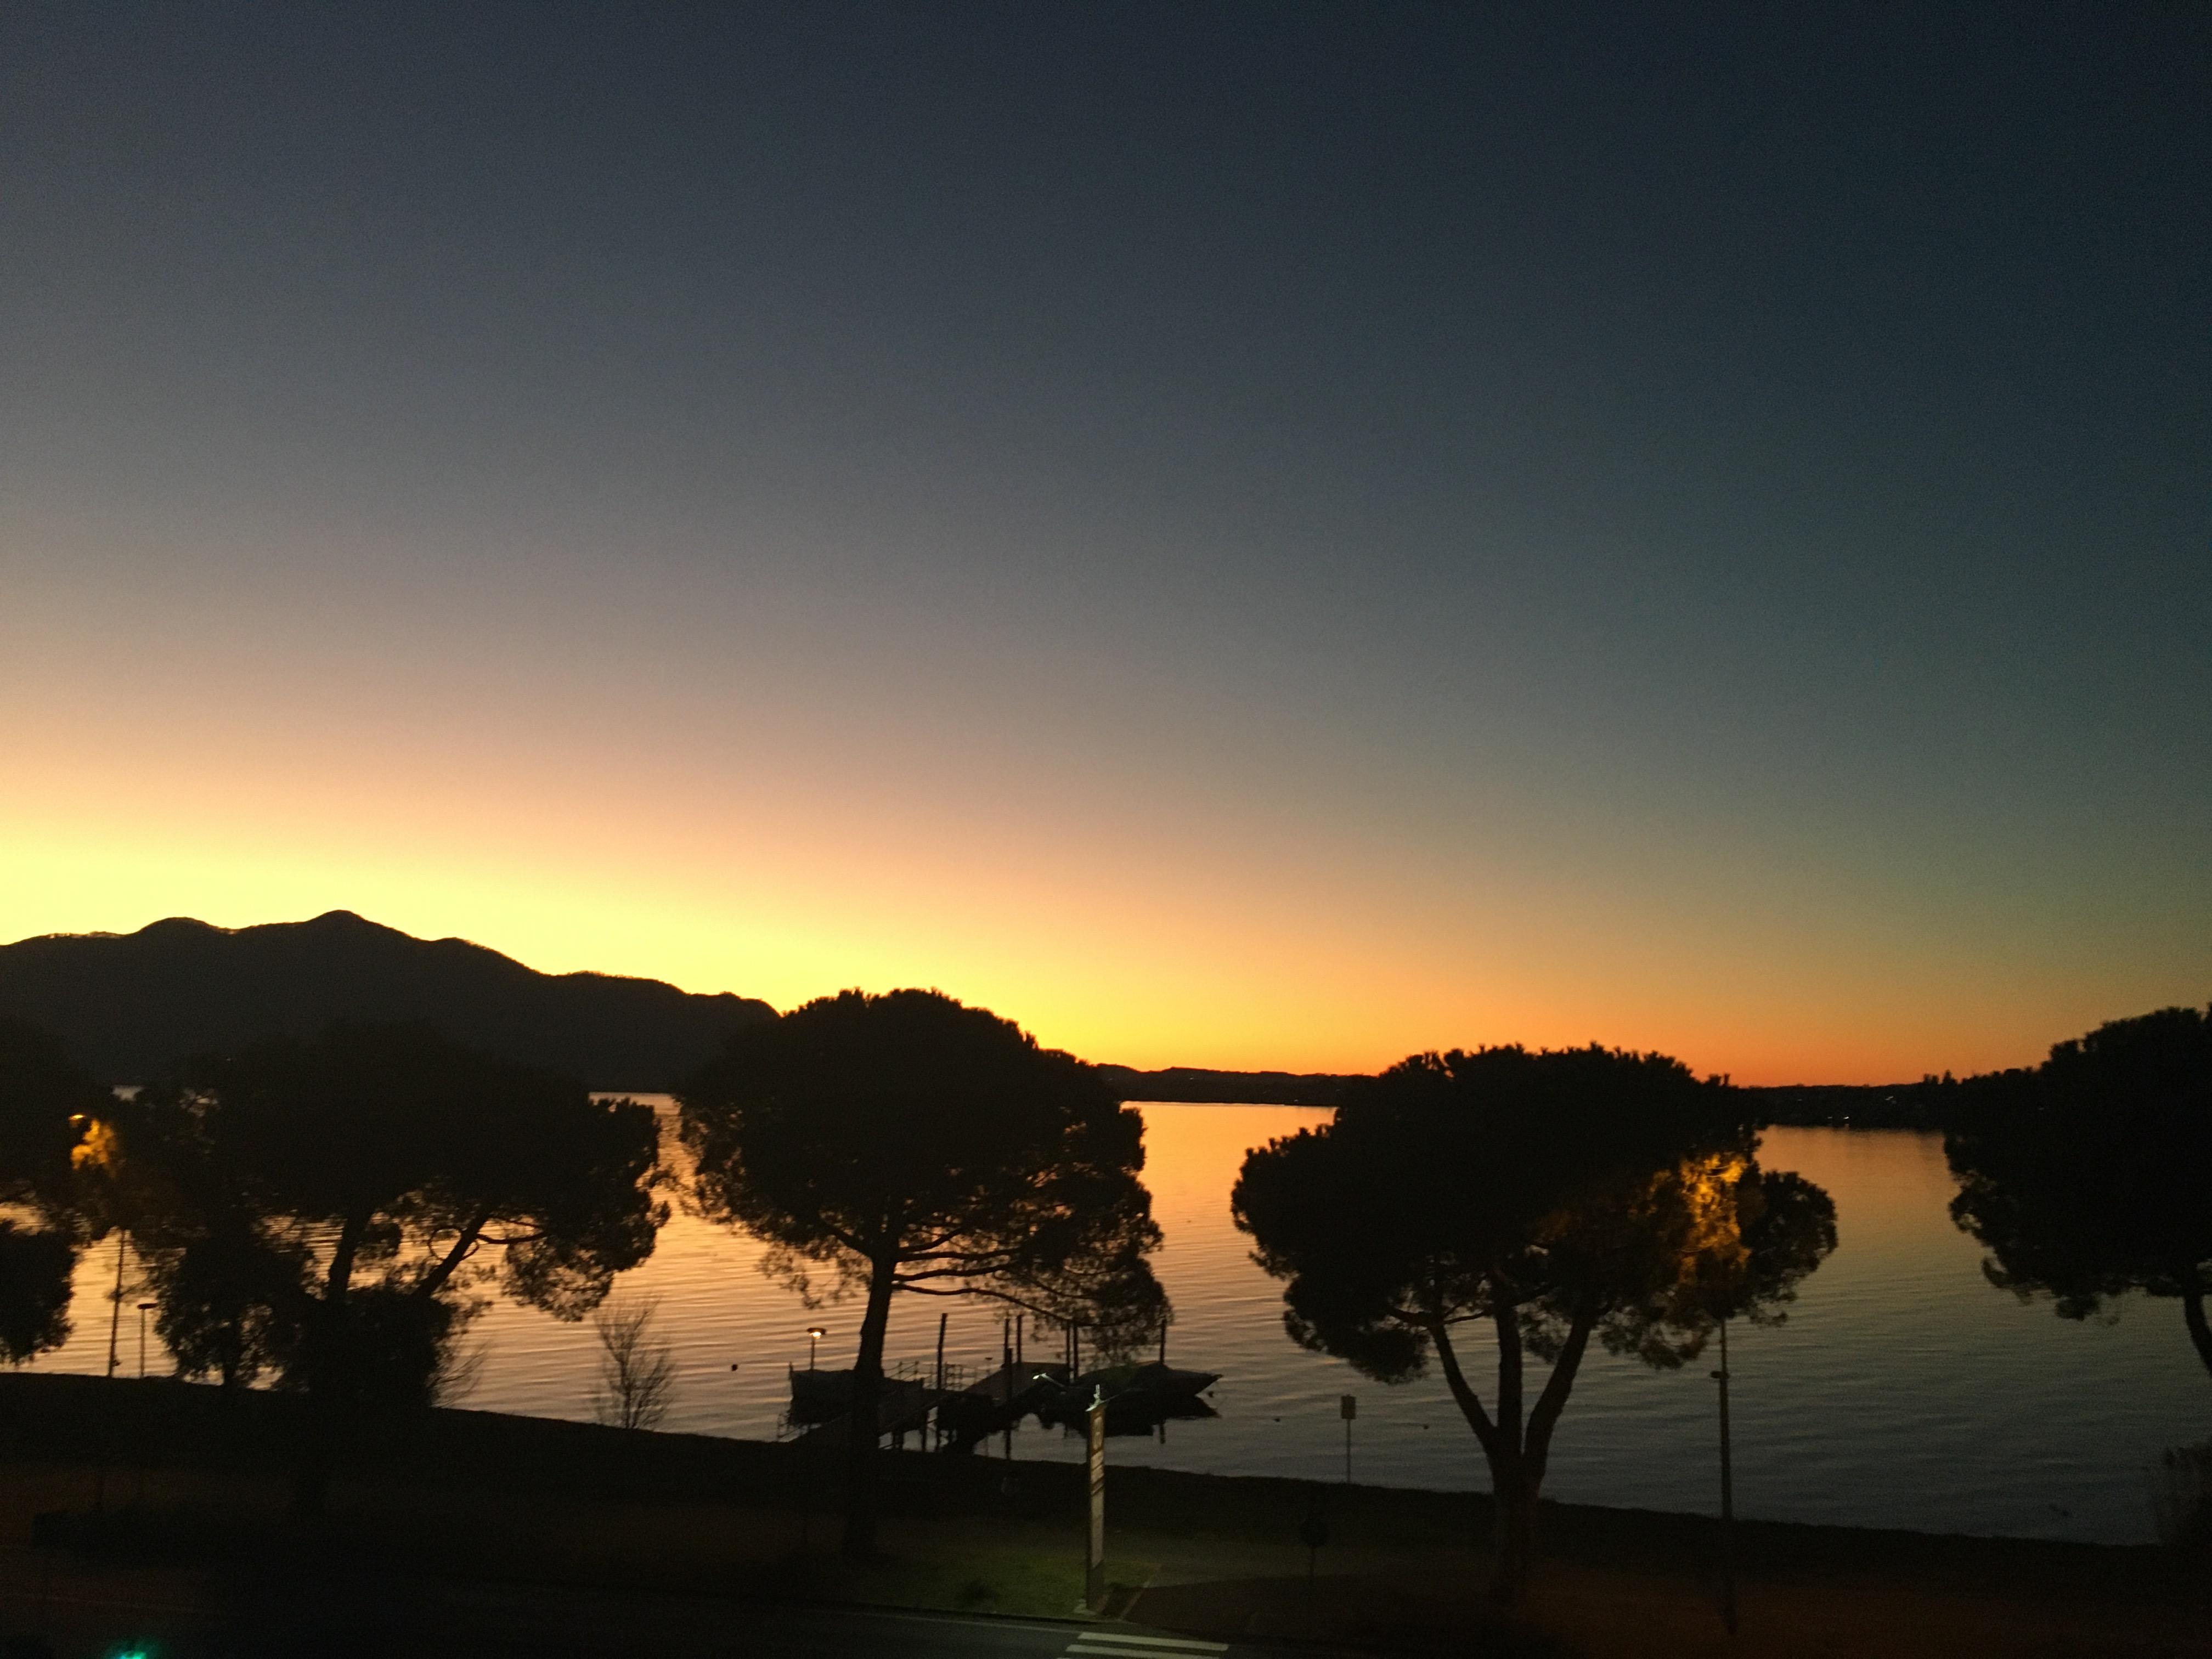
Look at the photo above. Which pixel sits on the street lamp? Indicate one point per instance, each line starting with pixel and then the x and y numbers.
pixel 814 1334
pixel 1728 1495
pixel 144 1308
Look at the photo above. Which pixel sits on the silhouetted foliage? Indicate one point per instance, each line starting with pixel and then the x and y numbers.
pixel 322 1208
pixel 2091 1174
pixel 908 1144
pixel 36 1267
pixel 1554 1197
pixel 229 1280
pixel 136 1006
pixel 637 1375
pixel 45 1098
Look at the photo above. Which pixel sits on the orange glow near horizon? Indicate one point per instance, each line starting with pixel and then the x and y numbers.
pixel 1131 901
pixel 1095 967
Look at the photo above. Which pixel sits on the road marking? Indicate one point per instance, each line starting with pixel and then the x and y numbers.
pixel 1154 1647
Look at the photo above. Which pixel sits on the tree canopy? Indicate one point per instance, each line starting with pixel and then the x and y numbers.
pixel 325 1207
pixel 907 1143
pixel 2090 1175
pixel 45 1097
pixel 1553 1197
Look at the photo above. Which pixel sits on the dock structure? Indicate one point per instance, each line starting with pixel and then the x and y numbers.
pixel 967 1410
pixel 993 1402
pixel 1009 1384
pixel 901 1409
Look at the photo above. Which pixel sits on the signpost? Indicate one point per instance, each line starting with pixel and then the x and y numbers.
pixel 1094 1576
pixel 1347 1408
pixel 1313 1534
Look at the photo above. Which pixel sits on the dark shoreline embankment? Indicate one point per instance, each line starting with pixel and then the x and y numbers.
pixel 75 1421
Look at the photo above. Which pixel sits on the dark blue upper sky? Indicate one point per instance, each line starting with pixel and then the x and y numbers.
pixel 1679 526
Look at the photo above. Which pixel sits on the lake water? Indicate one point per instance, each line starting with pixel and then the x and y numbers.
pixel 1903 1392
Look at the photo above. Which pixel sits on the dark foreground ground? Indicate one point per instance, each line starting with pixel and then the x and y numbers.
pixel 468 1532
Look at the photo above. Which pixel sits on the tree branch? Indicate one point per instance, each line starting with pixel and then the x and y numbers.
pixel 1506 1318
pixel 1554 1400
pixel 1470 1404
pixel 436 1279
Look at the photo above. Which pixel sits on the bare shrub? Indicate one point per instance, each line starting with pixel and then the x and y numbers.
pixel 637 1376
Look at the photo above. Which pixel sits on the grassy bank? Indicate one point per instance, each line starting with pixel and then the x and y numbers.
pixel 195 1484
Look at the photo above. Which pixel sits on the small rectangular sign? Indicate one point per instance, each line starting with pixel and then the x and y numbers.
pixel 1094 1576
pixel 1347 1406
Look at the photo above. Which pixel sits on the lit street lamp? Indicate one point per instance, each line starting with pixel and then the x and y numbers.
pixel 814 1334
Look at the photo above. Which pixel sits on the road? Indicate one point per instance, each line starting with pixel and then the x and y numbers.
pixel 384 1618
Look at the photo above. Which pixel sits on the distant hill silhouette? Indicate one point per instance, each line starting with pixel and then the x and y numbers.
pixel 1884 1106
pixel 1922 1105
pixel 133 1005
pixel 1199 1083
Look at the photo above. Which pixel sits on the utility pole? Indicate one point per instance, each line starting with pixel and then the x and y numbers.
pixel 1727 1496
pixel 115 1299
pixel 937 1435
pixel 1347 1408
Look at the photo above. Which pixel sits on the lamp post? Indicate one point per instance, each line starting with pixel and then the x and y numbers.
pixel 115 1303
pixel 1727 1496
pixel 814 1334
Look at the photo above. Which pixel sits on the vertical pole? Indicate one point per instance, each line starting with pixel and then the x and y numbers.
pixel 115 1319
pixel 1164 1342
pixel 1347 1451
pixel 142 1342
pixel 1094 1574
pixel 1727 1496
pixel 937 1436
pixel 1020 1319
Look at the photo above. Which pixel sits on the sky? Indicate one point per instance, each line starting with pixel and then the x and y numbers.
pixel 1234 535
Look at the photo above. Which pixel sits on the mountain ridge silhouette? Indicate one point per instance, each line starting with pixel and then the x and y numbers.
pixel 133 1006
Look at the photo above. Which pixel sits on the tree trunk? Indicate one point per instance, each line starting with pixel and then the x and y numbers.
pixel 328 1416
pixel 867 1393
pixel 1514 1553
pixel 1516 1448
pixel 2192 1312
